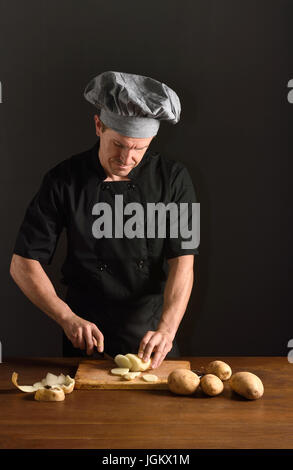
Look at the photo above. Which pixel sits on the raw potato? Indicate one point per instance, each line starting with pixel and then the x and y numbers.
pixel 50 394
pixel 150 378
pixel 211 385
pixel 119 371
pixel 122 361
pixel 247 385
pixel 138 365
pixel 131 375
pixel 183 381
pixel 220 369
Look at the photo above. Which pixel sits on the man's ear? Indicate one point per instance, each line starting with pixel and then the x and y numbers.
pixel 97 124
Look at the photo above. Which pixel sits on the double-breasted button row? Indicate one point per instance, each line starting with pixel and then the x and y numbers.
pixel 102 266
pixel 130 186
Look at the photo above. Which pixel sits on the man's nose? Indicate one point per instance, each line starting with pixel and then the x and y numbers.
pixel 126 157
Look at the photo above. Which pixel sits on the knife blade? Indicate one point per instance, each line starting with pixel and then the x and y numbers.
pixel 199 372
pixel 99 354
pixel 102 355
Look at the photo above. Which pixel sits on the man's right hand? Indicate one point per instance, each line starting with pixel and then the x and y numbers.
pixel 83 334
pixel 31 278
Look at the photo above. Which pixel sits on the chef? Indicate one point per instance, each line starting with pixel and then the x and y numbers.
pixel 127 291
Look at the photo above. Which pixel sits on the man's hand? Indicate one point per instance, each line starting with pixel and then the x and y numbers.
pixel 83 334
pixel 31 278
pixel 159 342
pixel 176 294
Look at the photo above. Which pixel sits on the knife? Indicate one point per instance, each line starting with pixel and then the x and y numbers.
pixel 101 355
pixel 199 372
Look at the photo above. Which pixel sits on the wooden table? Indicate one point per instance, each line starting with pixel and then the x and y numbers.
pixel 140 419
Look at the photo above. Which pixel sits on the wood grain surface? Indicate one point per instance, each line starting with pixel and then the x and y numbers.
pixel 147 419
pixel 96 374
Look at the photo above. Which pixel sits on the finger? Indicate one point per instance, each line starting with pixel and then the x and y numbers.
pixel 159 356
pixel 99 338
pixel 82 344
pixel 153 342
pixel 144 342
pixel 88 340
pixel 78 339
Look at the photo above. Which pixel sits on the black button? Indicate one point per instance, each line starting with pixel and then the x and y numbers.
pixel 102 266
pixel 140 263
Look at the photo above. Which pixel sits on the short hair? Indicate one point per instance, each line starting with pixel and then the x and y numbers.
pixel 103 126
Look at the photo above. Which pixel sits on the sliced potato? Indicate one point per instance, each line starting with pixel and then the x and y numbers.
pixel 119 371
pixel 145 365
pixel 122 361
pixel 131 375
pixel 150 378
pixel 137 364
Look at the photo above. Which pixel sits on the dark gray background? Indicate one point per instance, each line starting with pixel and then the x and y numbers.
pixel 229 63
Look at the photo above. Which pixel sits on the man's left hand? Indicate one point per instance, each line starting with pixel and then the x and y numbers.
pixel 159 342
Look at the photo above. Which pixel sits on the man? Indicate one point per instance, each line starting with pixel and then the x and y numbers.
pixel 129 292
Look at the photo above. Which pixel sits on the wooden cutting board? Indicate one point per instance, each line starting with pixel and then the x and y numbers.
pixel 96 374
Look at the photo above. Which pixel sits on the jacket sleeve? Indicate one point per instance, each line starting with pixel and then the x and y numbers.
pixel 186 240
pixel 42 224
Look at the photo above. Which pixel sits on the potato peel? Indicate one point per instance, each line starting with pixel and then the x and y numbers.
pixel 23 388
pixel 51 394
pixel 65 383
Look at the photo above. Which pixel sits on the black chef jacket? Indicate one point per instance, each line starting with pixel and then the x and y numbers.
pixel 117 283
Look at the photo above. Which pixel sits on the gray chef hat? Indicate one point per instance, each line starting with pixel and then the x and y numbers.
pixel 132 105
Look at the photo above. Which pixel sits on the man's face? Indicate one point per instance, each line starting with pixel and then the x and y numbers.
pixel 119 154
